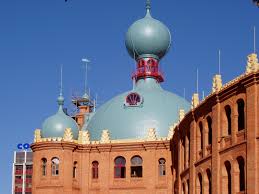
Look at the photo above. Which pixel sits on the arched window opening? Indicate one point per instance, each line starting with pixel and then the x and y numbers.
pixel 119 168
pixel 209 181
pixel 209 121
pixel 183 155
pixel 75 170
pixel 183 188
pixel 161 167
pixel 228 115
pixel 188 186
pixel 228 170
pixel 44 166
pixel 200 140
pixel 136 166
pixel 241 165
pixel 95 165
pixel 241 114
pixel 55 166
pixel 200 183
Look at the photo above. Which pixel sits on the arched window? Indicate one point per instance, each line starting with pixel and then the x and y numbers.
pixel 241 165
pixel 228 115
pixel 200 140
pixel 188 186
pixel 119 168
pixel 44 166
pixel 183 188
pixel 228 171
pixel 55 166
pixel 136 166
pixel 209 121
pixel 75 170
pixel 241 114
pixel 209 181
pixel 95 165
pixel 161 167
pixel 199 188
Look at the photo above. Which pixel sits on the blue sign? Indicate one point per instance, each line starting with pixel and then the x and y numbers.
pixel 24 146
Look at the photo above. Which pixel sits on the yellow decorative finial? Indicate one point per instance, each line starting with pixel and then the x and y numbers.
pixel 68 136
pixel 216 83
pixel 195 100
pixel 37 136
pixel 252 63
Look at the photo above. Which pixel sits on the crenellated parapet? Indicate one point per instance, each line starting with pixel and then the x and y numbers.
pixel 252 63
pixel 151 134
pixel 84 137
pixel 105 138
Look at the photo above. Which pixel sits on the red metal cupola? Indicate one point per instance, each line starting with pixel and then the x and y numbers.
pixel 148 67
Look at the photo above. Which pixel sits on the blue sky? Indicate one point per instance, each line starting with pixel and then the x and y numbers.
pixel 36 37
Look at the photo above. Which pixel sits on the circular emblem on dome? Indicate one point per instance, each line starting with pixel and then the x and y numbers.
pixel 133 99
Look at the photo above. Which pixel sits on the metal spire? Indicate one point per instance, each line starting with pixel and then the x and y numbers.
pixel 61 81
pixel 86 61
pixel 197 81
pixel 219 61
pixel 254 39
pixel 61 98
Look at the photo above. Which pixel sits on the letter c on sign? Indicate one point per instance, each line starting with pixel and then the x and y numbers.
pixel 19 146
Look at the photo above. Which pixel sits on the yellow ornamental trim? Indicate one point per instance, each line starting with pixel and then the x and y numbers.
pixel 68 135
pixel 37 136
pixel 84 137
pixel 151 136
pixel 105 138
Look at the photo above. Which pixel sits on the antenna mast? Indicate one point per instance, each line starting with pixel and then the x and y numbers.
pixel 254 39
pixel 61 81
pixel 219 61
pixel 197 81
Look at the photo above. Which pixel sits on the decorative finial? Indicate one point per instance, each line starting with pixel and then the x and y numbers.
pixel 148 5
pixel 61 98
pixel 86 61
pixel 148 8
pixel 216 83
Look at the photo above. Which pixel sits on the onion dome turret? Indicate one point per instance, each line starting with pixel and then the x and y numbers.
pixel 147 41
pixel 56 125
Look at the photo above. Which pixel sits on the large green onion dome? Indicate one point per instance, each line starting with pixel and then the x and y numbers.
pixel 148 37
pixel 56 125
pixel 131 114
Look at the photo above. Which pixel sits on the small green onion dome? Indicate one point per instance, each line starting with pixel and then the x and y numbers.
pixel 56 125
pixel 148 37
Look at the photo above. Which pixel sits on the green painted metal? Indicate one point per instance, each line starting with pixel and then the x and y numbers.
pixel 148 37
pixel 55 125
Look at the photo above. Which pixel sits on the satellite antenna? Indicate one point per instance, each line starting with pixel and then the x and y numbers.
pixel 86 61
